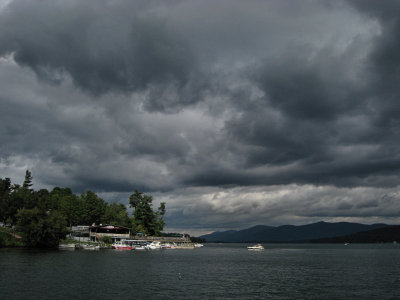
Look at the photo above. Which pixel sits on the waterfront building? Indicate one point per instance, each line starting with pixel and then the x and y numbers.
pixel 80 233
pixel 116 233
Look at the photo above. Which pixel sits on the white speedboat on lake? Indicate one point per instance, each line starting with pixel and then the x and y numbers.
pixel 257 247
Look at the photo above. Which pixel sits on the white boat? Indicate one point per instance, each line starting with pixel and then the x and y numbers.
pixel 140 247
pixel 166 246
pixel 185 246
pixel 198 245
pixel 154 245
pixel 257 247
pixel 68 246
pixel 90 247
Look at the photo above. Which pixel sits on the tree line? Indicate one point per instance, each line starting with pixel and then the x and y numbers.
pixel 42 217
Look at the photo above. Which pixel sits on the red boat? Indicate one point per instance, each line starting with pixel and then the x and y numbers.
pixel 121 245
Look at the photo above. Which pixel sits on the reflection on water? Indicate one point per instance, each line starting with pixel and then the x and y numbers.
pixel 216 271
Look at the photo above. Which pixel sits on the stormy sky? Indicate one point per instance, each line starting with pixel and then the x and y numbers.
pixel 235 113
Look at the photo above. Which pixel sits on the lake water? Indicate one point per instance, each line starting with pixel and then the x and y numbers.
pixel 216 271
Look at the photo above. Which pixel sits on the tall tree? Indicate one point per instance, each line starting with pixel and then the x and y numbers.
pixel 5 185
pixel 28 180
pixel 144 215
pixel 93 208
pixel 135 198
pixel 144 219
pixel 18 197
pixel 160 217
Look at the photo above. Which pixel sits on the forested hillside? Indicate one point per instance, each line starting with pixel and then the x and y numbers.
pixel 42 217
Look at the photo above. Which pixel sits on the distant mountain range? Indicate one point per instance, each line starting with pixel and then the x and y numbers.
pixel 291 233
pixel 388 234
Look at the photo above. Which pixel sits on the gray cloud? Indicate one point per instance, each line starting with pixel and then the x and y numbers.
pixel 188 99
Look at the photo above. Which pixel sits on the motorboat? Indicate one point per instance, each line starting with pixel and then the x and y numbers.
pixel 66 246
pixel 257 247
pixel 185 246
pixel 140 247
pixel 90 247
pixel 166 246
pixel 154 245
pixel 121 245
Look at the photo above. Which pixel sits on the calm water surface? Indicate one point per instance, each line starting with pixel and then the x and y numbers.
pixel 216 271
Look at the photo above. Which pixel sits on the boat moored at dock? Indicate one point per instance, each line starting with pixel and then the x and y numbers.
pixel 66 246
pixel 154 245
pixel 89 247
pixel 122 245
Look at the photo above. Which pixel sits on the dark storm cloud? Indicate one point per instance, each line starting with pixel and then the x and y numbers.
pixel 267 106
pixel 384 59
pixel 325 112
pixel 116 46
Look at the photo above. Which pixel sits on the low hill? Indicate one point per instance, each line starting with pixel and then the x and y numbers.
pixel 388 234
pixel 289 233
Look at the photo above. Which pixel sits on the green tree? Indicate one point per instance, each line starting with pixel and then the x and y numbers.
pixel 33 199
pixel 144 215
pixel 40 228
pixel 135 198
pixel 16 200
pixel 70 205
pixel 28 180
pixel 117 214
pixel 5 186
pixel 160 218
pixel 144 219
pixel 93 208
pixel 139 228
pixel 5 189
pixel 57 194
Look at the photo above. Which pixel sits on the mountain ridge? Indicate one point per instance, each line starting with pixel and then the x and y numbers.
pixel 389 234
pixel 290 233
